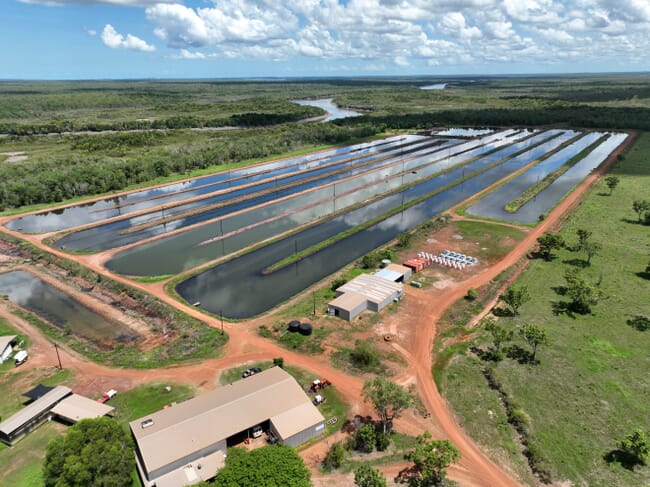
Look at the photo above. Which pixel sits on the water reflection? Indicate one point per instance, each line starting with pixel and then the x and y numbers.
pixel 60 309
pixel 327 104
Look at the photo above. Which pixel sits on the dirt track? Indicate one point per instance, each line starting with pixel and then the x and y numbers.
pixel 474 468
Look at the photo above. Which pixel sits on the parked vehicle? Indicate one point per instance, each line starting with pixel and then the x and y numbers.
pixel 107 395
pixel 251 371
pixel 257 431
pixel 21 357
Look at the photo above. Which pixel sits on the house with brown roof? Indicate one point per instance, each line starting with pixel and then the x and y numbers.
pixel 186 443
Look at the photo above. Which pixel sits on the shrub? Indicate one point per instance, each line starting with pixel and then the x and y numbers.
pixel 365 438
pixel 334 456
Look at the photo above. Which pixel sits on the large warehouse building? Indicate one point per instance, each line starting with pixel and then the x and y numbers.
pixel 186 443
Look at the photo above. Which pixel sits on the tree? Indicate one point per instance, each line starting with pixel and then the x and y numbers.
pixel 388 399
pixel 636 446
pixel 591 249
pixel 499 336
pixel 583 295
pixel 515 297
pixel 92 452
pixel 612 182
pixel 366 476
pixel 268 466
pixel 640 207
pixel 365 356
pixel 334 456
pixel 431 458
pixel 535 336
pixel 548 243
pixel 639 322
pixel 583 239
pixel 365 438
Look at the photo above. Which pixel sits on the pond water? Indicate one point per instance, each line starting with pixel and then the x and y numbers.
pixel 492 205
pixel 238 289
pixel 116 206
pixel 176 253
pixel 436 86
pixel 60 309
pixel 118 233
pixel 327 104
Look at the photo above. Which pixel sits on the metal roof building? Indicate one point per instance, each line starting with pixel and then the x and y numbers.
pixel 6 347
pixel 377 292
pixel 187 442
pixel 31 416
pixel 74 408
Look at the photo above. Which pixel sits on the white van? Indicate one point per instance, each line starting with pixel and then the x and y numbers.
pixel 20 357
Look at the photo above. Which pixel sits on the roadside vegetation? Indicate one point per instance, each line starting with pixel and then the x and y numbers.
pixel 570 405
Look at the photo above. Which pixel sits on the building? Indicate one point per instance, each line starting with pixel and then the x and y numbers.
pixel 187 442
pixel 6 347
pixel 52 403
pixel 395 273
pixel 375 291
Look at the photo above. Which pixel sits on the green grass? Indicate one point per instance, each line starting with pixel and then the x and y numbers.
pixel 592 384
pixel 146 399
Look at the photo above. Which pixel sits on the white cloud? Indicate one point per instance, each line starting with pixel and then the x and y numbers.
pixel 389 32
pixel 111 38
pixel 125 3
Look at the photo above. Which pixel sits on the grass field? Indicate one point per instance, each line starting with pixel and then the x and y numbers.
pixel 591 386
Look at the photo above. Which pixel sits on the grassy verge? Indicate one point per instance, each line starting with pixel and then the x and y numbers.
pixel 591 384
pixel 147 399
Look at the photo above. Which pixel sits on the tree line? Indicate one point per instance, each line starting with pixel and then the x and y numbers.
pixel 58 179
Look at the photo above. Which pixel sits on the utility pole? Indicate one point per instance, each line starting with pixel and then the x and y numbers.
pixel 314 296
pixel 221 316
pixel 58 357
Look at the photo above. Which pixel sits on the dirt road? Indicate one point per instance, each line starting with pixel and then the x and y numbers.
pixel 474 468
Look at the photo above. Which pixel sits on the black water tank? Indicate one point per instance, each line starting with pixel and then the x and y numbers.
pixel 294 326
pixel 305 329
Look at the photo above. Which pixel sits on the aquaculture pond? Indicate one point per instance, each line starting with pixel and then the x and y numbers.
pixel 117 206
pixel 239 288
pixel 182 251
pixel 272 187
pixel 60 309
pixel 493 204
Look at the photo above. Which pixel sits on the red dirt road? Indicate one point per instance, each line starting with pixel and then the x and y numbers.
pixel 474 468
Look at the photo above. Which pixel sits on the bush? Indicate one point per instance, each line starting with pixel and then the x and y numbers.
pixel 364 356
pixel 365 438
pixel 404 240
pixel 337 283
pixel 334 457
pixel 382 441
pixel 472 294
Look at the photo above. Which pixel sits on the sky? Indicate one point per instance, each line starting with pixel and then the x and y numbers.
pixel 124 39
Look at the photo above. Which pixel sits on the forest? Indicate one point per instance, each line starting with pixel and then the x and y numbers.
pixel 65 140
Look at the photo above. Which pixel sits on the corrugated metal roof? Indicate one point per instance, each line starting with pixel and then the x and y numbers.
pixel 389 275
pixel 349 301
pixel 374 288
pixel 198 423
pixel 74 408
pixel 35 409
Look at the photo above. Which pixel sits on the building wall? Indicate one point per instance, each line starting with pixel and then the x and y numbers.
pixel 305 435
pixel 345 314
pixel 181 462
pixel 4 354
pixel 14 436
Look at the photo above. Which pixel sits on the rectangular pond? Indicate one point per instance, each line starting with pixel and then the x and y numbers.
pixel 60 309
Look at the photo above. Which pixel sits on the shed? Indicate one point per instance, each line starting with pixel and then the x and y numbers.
pixel 74 408
pixel 32 415
pixel 395 273
pixel 6 347
pixel 187 442
pixel 378 292
pixel 347 306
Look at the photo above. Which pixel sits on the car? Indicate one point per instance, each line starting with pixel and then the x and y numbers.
pixel 251 371
pixel 21 357
pixel 257 431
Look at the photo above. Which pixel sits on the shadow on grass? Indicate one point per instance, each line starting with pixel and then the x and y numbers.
pixel 562 308
pixel 502 312
pixel 559 290
pixel 580 263
pixel 625 459
pixel 643 275
pixel 488 355
pixel 521 355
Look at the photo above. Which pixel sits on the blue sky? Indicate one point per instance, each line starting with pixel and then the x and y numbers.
pixel 89 39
